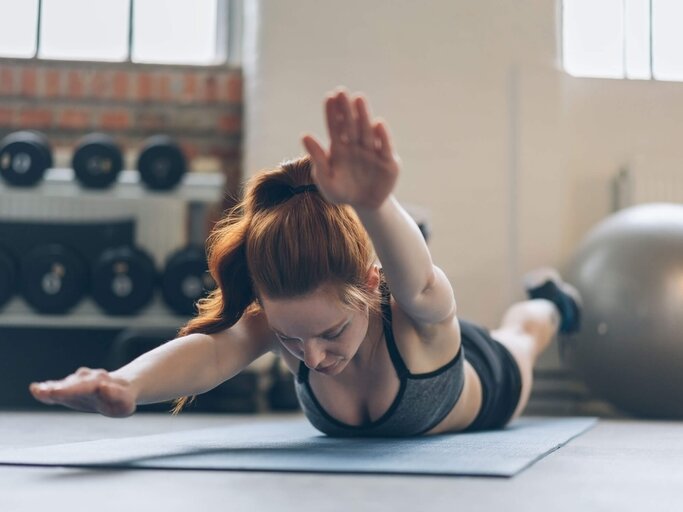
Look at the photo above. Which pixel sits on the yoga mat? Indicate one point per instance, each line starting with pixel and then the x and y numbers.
pixel 293 445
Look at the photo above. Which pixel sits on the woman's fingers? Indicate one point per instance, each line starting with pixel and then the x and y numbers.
pixel 334 120
pixel 382 140
pixel 341 120
pixel 318 155
pixel 53 392
pixel 364 127
pixel 348 118
pixel 89 391
pixel 48 393
pixel 41 393
pixel 349 121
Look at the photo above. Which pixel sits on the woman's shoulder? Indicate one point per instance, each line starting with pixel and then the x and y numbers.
pixel 424 347
pixel 251 329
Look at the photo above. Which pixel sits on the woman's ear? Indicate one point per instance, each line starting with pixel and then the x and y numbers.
pixel 372 279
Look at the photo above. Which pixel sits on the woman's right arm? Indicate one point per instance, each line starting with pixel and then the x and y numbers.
pixel 188 365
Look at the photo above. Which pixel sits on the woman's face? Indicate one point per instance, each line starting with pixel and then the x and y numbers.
pixel 317 329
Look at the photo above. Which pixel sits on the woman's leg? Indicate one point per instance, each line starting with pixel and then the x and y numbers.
pixel 529 327
pixel 526 331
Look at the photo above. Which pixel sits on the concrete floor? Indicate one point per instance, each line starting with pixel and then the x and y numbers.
pixel 618 465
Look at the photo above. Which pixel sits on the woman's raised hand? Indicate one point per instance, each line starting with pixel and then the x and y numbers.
pixel 89 391
pixel 360 168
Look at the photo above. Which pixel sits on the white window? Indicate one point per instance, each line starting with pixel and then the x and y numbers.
pixel 188 34
pixel 151 31
pixel 18 39
pixel 84 30
pixel 667 40
pixel 636 39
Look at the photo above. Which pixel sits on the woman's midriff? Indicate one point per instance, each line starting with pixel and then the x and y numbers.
pixel 466 408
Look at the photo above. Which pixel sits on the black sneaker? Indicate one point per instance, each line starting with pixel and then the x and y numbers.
pixel 546 283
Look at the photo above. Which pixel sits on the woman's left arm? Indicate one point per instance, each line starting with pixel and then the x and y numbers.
pixel 361 169
pixel 420 287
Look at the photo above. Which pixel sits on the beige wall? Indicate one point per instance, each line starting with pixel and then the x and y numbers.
pixel 511 157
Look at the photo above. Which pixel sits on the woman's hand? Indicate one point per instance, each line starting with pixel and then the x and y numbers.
pixel 89 391
pixel 360 168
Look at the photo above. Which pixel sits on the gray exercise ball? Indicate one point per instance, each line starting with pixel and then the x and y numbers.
pixel 629 271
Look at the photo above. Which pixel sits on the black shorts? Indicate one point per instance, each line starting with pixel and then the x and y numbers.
pixel 501 380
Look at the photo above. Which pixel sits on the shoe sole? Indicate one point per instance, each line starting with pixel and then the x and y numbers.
pixel 537 278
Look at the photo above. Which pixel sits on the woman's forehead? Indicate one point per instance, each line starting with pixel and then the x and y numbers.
pixel 317 311
pixel 322 304
pixel 325 295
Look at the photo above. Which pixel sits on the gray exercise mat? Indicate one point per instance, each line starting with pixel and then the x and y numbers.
pixel 293 445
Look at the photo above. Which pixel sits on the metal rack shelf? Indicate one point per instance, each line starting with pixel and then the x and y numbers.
pixel 195 187
pixel 87 315
pixel 60 197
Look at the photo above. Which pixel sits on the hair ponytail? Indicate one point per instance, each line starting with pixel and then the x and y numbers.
pixel 234 292
pixel 284 240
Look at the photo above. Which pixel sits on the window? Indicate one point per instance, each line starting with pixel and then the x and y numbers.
pixel 151 31
pixel 188 34
pixel 18 39
pixel 667 40
pixel 84 30
pixel 635 39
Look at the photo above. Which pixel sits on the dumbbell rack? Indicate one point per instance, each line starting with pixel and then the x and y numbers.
pixel 194 194
pixel 196 187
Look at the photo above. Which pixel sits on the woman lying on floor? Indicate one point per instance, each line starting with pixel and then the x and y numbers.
pixel 377 349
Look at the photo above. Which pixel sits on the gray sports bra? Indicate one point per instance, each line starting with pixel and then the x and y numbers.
pixel 422 402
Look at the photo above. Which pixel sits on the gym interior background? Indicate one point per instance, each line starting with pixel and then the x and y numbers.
pixel 521 127
pixel 509 154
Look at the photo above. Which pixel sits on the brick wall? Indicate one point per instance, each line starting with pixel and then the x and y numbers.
pixel 201 107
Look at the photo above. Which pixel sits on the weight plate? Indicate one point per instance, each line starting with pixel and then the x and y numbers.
pixel 41 139
pixel 123 280
pixel 8 274
pixel 97 161
pixel 53 278
pixel 24 158
pixel 38 138
pixel 186 279
pixel 161 163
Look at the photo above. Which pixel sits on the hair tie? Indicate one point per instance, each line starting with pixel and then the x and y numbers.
pixel 304 188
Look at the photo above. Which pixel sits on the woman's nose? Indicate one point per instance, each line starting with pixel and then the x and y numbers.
pixel 313 355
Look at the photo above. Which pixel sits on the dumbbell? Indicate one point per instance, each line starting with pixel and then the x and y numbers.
pixel 123 280
pixel 161 163
pixel 8 273
pixel 97 161
pixel 186 279
pixel 24 158
pixel 53 278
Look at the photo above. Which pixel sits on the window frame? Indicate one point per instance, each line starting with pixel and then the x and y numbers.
pixel 653 73
pixel 229 30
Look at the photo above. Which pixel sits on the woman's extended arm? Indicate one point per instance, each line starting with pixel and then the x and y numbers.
pixel 422 289
pixel 195 363
pixel 360 169
pixel 184 366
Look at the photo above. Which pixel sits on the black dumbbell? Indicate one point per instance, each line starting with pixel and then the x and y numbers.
pixel 8 273
pixel 186 279
pixel 97 161
pixel 161 163
pixel 24 158
pixel 123 280
pixel 54 278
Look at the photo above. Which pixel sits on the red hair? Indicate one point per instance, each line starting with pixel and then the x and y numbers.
pixel 282 244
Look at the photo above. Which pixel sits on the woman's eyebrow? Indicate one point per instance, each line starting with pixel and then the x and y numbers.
pixel 327 331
